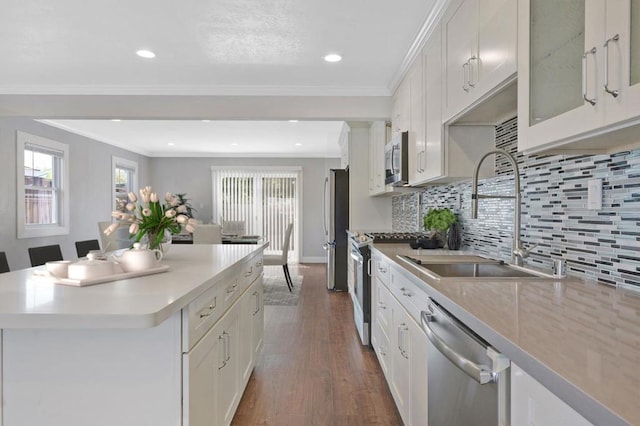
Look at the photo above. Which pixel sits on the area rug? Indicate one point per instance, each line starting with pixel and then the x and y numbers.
pixel 276 291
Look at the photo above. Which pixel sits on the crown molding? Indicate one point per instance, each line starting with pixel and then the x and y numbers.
pixel 194 90
pixel 418 43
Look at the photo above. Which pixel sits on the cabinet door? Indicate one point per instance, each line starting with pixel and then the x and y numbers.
pixel 377 140
pixel 401 107
pixel 257 314
pixel 247 359
pixel 418 366
pixel 497 44
pixel 460 27
pixel 533 404
pixel 400 368
pixel 560 75
pixel 416 121
pixel 622 63
pixel 228 380
pixel 200 366
pixel 433 156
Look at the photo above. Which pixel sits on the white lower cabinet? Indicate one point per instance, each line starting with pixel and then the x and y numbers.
pixel 218 367
pixel 533 404
pixel 212 379
pixel 401 348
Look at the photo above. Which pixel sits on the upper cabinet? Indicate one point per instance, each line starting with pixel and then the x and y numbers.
pixel 479 45
pixel 579 75
pixel 377 140
pixel 344 142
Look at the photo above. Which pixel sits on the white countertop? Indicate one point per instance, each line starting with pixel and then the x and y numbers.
pixel 27 301
pixel 580 339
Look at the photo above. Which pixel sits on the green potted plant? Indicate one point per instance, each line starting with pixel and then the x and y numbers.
pixel 184 201
pixel 437 222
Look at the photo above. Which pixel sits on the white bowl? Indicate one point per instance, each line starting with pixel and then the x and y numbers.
pixel 90 269
pixel 58 268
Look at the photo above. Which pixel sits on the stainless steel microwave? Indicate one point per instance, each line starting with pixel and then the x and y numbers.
pixel 396 159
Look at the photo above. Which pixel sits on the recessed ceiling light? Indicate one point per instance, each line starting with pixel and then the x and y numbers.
pixel 171 144
pixel 333 57
pixel 234 144
pixel 147 54
pixel 205 121
pixel 116 119
pixel 293 121
pixel 298 144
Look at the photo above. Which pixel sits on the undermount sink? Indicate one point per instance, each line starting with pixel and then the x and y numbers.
pixel 467 267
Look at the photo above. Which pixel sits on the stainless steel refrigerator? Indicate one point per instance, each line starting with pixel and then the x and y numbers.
pixel 336 222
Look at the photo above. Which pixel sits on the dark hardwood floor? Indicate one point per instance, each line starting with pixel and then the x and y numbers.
pixel 313 369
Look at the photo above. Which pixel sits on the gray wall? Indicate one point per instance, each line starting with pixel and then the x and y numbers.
pixel 90 187
pixel 193 176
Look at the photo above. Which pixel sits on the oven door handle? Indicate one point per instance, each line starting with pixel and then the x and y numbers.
pixel 356 257
pixel 479 373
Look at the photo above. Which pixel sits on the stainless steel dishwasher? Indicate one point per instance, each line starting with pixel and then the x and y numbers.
pixel 468 379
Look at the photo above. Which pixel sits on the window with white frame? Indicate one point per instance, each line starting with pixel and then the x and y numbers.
pixel 43 186
pixel 125 180
pixel 265 199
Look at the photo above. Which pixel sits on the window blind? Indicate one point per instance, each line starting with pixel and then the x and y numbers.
pixel 266 200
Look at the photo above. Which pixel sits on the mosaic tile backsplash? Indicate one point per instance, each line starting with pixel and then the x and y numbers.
pixel 597 244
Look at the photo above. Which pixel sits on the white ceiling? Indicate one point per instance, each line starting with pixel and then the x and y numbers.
pixel 82 54
pixel 215 138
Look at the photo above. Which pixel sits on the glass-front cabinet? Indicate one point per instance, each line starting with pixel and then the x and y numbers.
pixel 579 75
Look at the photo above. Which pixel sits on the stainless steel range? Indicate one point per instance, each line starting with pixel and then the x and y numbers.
pixel 359 273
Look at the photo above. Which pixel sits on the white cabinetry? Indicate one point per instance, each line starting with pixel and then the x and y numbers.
pixel 344 143
pixel 579 76
pixel 401 107
pixel 399 343
pixel 533 404
pixel 438 154
pixel 480 51
pixel 377 141
pixel 218 367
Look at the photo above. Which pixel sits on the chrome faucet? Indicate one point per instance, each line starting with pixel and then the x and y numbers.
pixel 518 253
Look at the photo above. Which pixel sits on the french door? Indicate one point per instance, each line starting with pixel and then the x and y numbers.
pixel 265 199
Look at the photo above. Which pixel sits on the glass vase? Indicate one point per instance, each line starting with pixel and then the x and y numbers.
pixel 152 242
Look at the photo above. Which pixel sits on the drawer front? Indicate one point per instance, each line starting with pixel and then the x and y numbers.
pixel 200 315
pixel 381 346
pixel 382 269
pixel 383 306
pixel 409 294
pixel 251 270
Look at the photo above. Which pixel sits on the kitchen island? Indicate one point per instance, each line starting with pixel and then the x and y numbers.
pixel 580 340
pixel 153 350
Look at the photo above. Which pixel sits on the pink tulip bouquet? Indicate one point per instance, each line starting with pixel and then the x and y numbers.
pixel 147 216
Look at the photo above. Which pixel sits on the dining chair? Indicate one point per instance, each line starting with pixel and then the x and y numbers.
pixel 43 254
pixel 207 234
pixel 118 239
pixel 282 258
pixel 84 247
pixel 234 227
pixel 4 265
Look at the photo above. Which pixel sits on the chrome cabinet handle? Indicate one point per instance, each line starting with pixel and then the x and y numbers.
pixel 465 76
pixel 228 345
pixel 249 272
pixel 613 93
pixel 224 349
pixel 259 264
pixel 473 58
pixel 584 75
pixel 479 373
pixel 211 308
pixel 381 305
pixel 369 267
pixel 257 295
